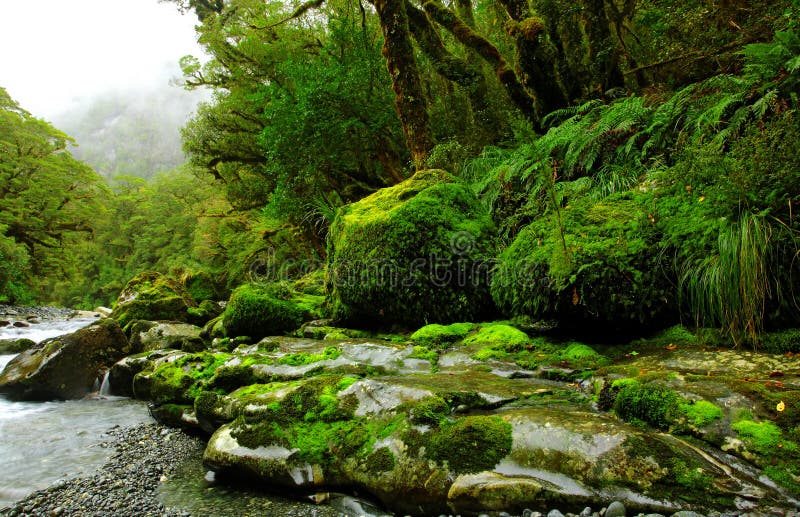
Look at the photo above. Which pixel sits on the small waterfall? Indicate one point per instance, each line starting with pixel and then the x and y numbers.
pixel 105 386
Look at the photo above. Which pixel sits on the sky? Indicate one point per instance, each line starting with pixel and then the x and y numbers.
pixel 57 54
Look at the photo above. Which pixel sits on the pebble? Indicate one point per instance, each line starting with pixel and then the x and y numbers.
pixel 615 509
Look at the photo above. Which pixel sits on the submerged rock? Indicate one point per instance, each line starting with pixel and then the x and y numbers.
pixel 65 367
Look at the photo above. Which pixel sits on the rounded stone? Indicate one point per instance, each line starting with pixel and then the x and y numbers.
pixel 615 509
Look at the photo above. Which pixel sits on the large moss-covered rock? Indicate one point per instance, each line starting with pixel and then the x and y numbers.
pixel 598 265
pixel 258 310
pixel 65 367
pixel 152 296
pixel 400 439
pixel 463 437
pixel 415 253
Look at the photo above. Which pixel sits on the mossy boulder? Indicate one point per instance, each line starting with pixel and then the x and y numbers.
pixel 258 310
pixel 15 346
pixel 152 296
pixel 418 252
pixel 399 439
pixel 121 375
pixel 597 267
pixel 65 367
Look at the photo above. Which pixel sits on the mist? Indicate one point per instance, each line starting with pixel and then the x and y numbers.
pixel 131 132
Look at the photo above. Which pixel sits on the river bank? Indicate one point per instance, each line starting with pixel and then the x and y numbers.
pixel 130 483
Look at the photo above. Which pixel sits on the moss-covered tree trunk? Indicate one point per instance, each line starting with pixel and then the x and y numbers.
pixel 536 63
pixel 402 65
pixel 460 71
pixel 521 97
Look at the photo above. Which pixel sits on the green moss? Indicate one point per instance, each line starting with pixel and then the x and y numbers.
pixel 471 444
pixel 489 353
pixel 151 296
pixel 688 477
pixel 654 404
pixel 500 337
pixel 423 352
pixel 579 355
pixel 786 474
pixel 675 335
pixel 430 411
pixel 437 336
pixel 183 379
pixel 700 413
pixel 594 264
pixel 312 283
pixel 303 358
pixel 382 460
pixel 764 438
pixel 259 311
pixel 781 342
pixel 413 253
pixel 229 378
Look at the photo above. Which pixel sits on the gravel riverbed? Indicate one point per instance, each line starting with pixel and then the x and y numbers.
pixel 128 484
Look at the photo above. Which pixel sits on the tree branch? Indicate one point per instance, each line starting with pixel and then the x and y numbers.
pixel 471 39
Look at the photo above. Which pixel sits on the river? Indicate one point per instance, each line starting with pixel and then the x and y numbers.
pixel 42 442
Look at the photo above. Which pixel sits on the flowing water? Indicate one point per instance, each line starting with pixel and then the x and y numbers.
pixel 41 442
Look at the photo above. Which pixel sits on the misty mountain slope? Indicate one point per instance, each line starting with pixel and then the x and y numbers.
pixel 131 133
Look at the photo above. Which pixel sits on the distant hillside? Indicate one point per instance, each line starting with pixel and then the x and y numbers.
pixel 131 133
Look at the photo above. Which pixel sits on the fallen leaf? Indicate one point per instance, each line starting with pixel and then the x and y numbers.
pixel 781 406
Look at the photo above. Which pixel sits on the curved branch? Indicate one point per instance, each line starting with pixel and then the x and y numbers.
pixel 300 11
pixel 484 48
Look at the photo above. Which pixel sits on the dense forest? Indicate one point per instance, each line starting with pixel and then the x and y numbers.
pixel 637 159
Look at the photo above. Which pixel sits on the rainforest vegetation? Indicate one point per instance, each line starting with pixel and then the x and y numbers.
pixel 638 160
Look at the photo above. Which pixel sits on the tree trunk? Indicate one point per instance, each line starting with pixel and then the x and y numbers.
pixel 521 98
pixel 409 99
pixel 536 63
pixel 467 75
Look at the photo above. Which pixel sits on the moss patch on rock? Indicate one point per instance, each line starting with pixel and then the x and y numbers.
pixel 595 264
pixel 471 444
pixel 438 336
